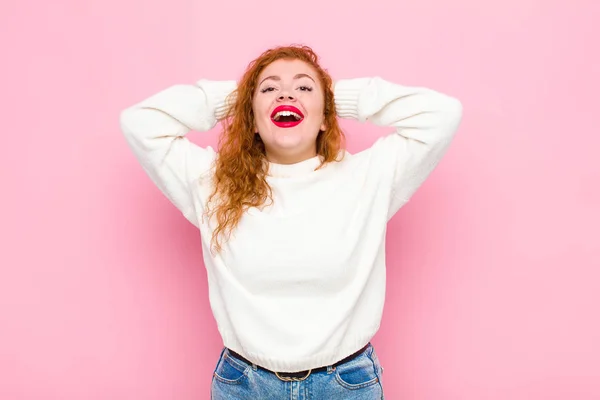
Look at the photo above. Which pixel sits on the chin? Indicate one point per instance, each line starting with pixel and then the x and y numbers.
pixel 291 142
pixel 291 150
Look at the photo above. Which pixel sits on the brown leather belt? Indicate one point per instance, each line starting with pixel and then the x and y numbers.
pixel 301 375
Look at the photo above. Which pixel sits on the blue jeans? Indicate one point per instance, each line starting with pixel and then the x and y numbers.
pixel 357 379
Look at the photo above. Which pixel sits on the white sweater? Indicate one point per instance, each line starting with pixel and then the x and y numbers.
pixel 300 284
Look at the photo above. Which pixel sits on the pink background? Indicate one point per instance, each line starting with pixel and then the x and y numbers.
pixel 494 266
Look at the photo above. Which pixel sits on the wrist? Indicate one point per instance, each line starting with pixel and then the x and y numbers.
pixel 346 94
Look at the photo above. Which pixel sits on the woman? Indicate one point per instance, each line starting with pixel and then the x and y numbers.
pixel 292 225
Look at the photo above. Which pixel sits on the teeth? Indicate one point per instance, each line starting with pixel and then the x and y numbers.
pixel 286 114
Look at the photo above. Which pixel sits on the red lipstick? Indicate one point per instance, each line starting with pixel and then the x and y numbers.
pixel 287 123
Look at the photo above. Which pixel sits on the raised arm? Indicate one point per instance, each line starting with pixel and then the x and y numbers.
pixel 155 130
pixel 425 122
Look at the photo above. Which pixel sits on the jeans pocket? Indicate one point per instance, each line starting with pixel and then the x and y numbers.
pixel 358 373
pixel 230 370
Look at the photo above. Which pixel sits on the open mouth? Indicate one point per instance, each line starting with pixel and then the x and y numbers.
pixel 286 116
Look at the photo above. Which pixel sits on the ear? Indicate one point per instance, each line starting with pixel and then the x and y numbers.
pixel 323 126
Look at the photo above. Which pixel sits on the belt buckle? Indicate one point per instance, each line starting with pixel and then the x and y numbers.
pixel 288 379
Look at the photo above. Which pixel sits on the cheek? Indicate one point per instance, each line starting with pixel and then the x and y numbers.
pixel 259 104
pixel 317 106
pixel 258 116
pixel 318 113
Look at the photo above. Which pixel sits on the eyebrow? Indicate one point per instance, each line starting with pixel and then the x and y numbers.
pixel 277 78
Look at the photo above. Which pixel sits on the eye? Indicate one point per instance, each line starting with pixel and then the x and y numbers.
pixel 267 89
pixel 305 88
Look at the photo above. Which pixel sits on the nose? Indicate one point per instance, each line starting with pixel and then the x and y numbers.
pixel 285 96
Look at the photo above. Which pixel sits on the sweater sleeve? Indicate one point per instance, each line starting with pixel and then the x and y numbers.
pixel 155 130
pixel 424 121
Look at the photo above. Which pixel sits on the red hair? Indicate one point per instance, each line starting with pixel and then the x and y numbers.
pixel 241 167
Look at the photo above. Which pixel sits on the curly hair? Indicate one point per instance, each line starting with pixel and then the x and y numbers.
pixel 241 167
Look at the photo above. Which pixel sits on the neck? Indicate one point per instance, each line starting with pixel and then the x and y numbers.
pixel 290 158
pixel 291 170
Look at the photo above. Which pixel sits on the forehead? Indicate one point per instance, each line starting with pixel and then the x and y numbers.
pixel 287 69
